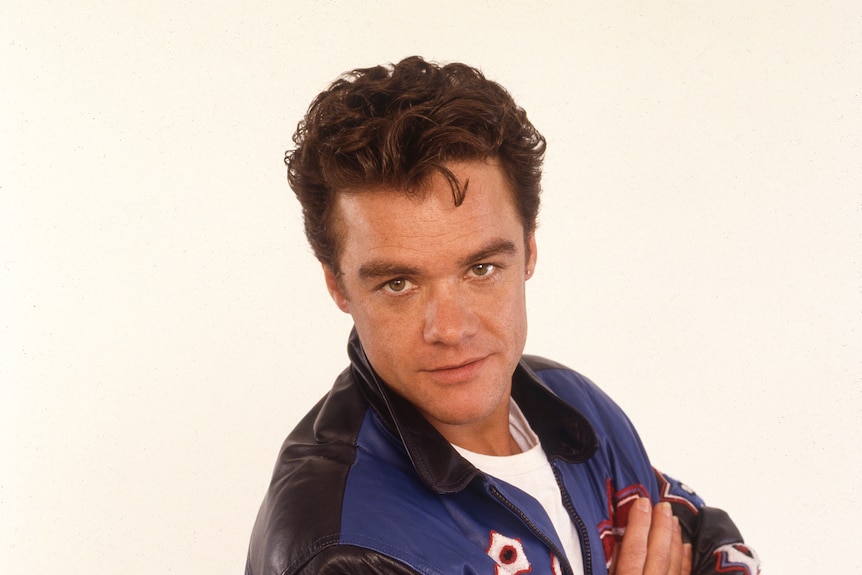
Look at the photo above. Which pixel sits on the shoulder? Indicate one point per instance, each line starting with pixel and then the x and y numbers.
pixel 572 386
pixel 612 426
pixel 301 512
pixel 561 378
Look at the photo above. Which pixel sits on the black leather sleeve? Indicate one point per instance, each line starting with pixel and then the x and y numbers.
pixel 717 545
pixel 349 560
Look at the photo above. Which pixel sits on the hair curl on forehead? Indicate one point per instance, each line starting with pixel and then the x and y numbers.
pixel 394 127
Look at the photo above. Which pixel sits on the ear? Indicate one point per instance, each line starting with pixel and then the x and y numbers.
pixel 531 257
pixel 336 290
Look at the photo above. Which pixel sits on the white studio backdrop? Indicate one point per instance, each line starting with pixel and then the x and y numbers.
pixel 163 324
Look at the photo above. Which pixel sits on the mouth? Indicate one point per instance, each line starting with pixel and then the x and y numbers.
pixel 458 372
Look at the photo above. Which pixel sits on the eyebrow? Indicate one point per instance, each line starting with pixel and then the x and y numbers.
pixel 494 248
pixel 374 270
pixel 380 269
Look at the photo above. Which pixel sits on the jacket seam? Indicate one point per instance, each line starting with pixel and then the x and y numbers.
pixel 397 553
pixel 316 547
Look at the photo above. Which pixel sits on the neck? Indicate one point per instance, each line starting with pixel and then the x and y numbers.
pixel 488 438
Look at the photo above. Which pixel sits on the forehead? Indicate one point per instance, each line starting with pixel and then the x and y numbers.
pixel 389 224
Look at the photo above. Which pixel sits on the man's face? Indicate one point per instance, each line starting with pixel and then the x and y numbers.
pixel 437 293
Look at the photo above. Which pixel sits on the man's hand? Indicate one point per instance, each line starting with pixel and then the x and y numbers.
pixel 652 544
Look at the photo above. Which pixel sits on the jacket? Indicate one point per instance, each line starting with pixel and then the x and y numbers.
pixel 364 484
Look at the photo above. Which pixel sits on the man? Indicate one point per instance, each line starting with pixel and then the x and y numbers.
pixel 441 449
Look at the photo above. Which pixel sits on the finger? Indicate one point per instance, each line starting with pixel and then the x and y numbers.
pixel 686 559
pixel 633 549
pixel 660 538
pixel 675 548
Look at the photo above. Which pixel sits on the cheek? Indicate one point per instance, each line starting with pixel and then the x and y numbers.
pixel 383 334
pixel 511 322
pixel 508 304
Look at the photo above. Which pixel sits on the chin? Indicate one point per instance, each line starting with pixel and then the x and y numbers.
pixel 468 411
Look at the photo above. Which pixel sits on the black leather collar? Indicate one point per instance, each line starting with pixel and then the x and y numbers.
pixel 564 432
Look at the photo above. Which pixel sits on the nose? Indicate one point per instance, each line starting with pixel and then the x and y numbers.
pixel 449 316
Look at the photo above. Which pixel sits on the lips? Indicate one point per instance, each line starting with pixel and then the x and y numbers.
pixel 457 372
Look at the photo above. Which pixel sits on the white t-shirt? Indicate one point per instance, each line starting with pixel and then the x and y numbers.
pixel 531 472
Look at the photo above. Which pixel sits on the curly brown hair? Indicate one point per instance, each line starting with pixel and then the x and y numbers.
pixel 394 127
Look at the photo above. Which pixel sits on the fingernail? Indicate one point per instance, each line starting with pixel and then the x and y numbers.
pixel 686 550
pixel 676 527
pixel 664 506
pixel 643 505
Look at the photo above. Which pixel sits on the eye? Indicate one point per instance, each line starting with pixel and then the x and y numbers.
pixel 480 270
pixel 398 285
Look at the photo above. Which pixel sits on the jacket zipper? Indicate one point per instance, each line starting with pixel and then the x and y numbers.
pixel 579 523
pixel 564 561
